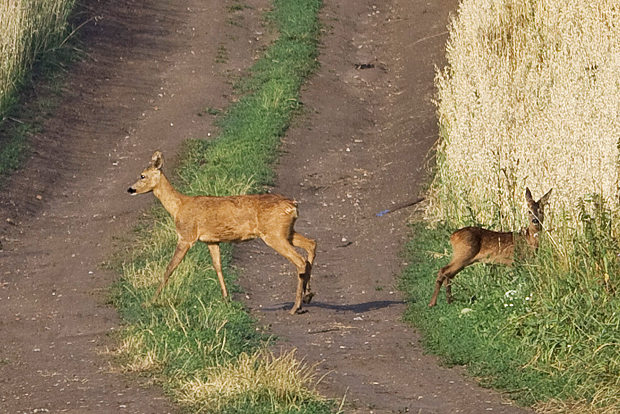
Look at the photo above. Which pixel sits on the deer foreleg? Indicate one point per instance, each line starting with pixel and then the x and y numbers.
pixel 179 254
pixel 214 248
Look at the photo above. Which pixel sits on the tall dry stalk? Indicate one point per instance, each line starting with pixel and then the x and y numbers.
pixel 531 97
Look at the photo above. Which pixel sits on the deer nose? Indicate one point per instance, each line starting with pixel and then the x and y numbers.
pixel 131 190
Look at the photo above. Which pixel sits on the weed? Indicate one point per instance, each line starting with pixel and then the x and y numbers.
pixel 210 111
pixel 253 380
pixel 221 56
pixel 235 20
pixel 238 7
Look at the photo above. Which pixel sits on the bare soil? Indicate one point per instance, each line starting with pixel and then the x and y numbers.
pixel 360 147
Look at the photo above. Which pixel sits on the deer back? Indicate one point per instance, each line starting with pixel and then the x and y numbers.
pixel 474 244
pixel 235 218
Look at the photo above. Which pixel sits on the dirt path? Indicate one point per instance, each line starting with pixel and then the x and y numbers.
pixel 154 65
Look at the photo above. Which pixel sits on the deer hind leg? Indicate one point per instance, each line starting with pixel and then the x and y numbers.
pixel 440 280
pixel 281 245
pixel 448 285
pixel 465 250
pixel 305 243
pixel 214 249
pixel 179 254
pixel 309 246
pixel 444 277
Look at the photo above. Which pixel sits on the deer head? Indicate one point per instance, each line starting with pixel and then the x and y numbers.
pixel 536 214
pixel 150 177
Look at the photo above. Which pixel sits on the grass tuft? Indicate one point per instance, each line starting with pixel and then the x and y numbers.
pixel 253 380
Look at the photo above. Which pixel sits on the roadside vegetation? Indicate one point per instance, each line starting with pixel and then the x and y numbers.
pixel 207 352
pixel 30 31
pixel 530 97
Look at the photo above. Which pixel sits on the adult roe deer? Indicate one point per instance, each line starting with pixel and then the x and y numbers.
pixel 229 219
pixel 474 244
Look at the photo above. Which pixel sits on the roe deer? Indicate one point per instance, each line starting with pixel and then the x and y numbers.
pixel 229 219
pixel 474 244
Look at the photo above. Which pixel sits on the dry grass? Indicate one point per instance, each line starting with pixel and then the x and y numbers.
pixel 27 27
pixel 279 379
pixel 134 356
pixel 570 407
pixel 530 97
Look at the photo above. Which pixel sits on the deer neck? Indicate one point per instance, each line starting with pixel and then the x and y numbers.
pixel 170 198
pixel 532 236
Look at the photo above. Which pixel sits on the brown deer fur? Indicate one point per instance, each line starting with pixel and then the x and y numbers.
pixel 213 220
pixel 474 244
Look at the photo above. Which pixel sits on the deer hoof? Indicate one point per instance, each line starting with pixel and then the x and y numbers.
pixel 308 297
pixel 297 311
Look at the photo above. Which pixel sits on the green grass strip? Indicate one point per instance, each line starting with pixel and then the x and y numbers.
pixel 194 332
pixel 544 331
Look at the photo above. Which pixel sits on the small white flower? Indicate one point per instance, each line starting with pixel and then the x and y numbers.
pixel 465 311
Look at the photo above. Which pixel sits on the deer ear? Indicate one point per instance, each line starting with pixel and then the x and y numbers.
pixel 528 196
pixel 157 160
pixel 544 199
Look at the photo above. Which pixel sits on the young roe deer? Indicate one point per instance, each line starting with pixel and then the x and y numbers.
pixel 229 219
pixel 474 244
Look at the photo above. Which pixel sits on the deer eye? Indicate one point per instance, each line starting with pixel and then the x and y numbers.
pixel 142 176
pixel 535 220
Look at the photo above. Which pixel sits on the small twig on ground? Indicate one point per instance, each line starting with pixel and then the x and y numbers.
pixel 398 207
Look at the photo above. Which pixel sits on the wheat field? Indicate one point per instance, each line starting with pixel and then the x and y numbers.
pixel 27 28
pixel 530 97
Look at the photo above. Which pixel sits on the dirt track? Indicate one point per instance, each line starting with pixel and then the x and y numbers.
pixel 361 146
